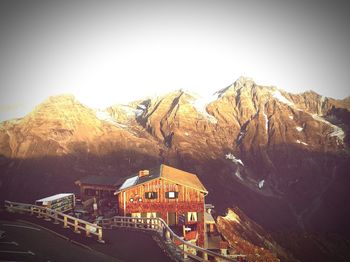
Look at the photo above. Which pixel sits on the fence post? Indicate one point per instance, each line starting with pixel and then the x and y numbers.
pixel 205 256
pixel 46 215
pixel 11 208
pixel 56 219
pixel 185 250
pixel 223 251
pixel 99 234
pixel 87 230
pixel 167 235
pixel 65 222
pixel 39 213
pixel 76 228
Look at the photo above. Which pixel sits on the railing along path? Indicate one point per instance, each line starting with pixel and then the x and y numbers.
pixel 57 217
pixel 158 225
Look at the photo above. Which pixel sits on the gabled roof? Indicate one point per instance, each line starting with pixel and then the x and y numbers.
pixel 100 180
pixel 165 172
pixel 181 177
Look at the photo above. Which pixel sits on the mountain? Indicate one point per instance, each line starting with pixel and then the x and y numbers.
pixel 250 239
pixel 62 140
pixel 282 158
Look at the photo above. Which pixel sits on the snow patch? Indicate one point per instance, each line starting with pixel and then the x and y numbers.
pixel 200 103
pixel 301 142
pixel 291 117
pixel 143 107
pixel 261 184
pixel 186 134
pixel 337 131
pixel 277 94
pixel 266 122
pixel 238 174
pixel 105 116
pixel 234 159
pixel 132 112
pixel 299 128
pixel 240 137
pixel 138 112
pixel 323 98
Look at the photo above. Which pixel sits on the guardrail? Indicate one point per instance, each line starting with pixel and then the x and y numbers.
pixel 158 225
pixel 57 217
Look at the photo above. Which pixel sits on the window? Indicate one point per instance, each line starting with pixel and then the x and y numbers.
pixel 138 215
pixel 171 194
pixel 191 216
pixel 151 195
pixel 151 215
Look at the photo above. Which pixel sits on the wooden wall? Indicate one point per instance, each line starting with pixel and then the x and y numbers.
pixel 189 200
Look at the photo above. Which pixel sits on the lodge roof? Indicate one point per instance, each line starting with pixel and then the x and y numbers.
pixel 100 180
pixel 167 173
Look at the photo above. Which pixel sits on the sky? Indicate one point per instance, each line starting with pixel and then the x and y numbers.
pixel 109 52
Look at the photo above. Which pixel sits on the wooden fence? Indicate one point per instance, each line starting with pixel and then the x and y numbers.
pixel 158 225
pixel 77 224
pixel 179 245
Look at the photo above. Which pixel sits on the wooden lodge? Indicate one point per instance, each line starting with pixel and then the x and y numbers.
pixel 174 195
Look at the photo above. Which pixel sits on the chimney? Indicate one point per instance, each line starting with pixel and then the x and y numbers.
pixel 143 173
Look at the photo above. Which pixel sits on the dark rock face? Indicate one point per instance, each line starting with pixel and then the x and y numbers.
pixel 282 158
pixel 247 237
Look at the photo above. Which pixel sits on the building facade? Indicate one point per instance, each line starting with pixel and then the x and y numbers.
pixel 176 196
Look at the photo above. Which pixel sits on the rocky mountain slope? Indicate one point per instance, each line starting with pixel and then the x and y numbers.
pixel 250 239
pixel 272 153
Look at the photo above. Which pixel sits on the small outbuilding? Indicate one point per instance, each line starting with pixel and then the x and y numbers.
pixel 99 187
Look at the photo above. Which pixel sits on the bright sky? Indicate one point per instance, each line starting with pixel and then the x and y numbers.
pixel 108 52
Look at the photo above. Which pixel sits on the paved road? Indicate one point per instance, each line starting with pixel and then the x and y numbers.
pixel 27 242
pixel 28 232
